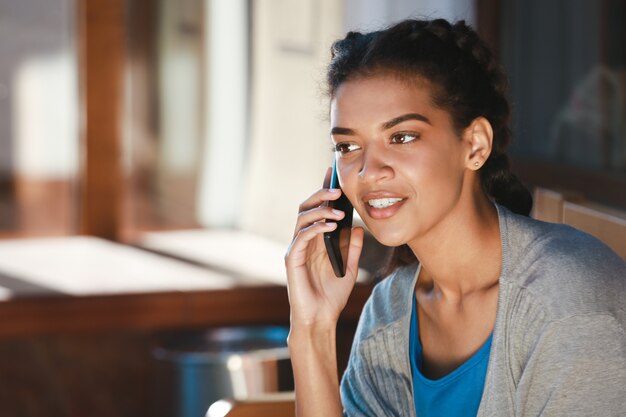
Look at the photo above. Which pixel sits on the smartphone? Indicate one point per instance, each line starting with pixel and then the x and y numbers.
pixel 338 241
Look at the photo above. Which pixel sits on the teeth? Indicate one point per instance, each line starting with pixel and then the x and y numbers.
pixel 383 202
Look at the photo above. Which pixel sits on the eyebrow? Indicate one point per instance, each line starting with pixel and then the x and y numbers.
pixel 386 125
pixel 341 131
pixel 409 116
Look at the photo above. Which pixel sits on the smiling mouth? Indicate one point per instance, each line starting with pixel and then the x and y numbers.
pixel 380 203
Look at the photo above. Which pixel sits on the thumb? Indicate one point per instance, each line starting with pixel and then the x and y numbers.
pixel 354 251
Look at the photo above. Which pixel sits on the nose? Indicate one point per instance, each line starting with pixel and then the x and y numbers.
pixel 374 168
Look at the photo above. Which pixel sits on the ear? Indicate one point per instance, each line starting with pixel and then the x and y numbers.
pixel 479 137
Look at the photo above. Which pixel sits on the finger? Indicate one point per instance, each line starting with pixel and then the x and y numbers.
pixel 354 251
pixel 296 253
pixel 317 214
pixel 321 196
pixel 318 198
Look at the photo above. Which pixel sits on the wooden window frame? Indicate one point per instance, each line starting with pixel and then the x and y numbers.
pixel 102 58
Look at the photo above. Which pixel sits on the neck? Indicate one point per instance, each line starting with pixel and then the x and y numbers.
pixel 462 254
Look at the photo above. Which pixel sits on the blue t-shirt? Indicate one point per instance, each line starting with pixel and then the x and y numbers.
pixel 457 394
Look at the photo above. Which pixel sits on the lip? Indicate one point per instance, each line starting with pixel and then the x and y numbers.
pixel 382 213
pixel 374 195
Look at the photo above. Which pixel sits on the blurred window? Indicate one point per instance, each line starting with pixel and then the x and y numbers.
pixel 224 120
pixel 567 66
pixel 38 118
pixel 187 113
pixel 163 113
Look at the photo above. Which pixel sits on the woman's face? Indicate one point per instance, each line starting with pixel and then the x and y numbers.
pixel 400 162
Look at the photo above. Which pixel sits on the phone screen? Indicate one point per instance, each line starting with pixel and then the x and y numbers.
pixel 338 241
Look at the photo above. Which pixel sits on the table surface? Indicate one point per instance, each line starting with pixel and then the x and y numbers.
pixel 79 283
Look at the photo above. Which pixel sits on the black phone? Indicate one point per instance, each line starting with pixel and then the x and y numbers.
pixel 338 241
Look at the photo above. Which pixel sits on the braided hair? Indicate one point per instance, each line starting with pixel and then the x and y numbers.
pixel 467 83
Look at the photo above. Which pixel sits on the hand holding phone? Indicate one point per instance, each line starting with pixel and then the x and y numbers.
pixel 338 240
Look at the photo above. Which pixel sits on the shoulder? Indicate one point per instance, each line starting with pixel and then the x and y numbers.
pixel 571 363
pixel 567 271
pixel 389 302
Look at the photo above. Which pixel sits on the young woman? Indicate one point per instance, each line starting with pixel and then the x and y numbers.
pixel 485 312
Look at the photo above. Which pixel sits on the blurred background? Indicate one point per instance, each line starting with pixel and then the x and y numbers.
pixel 153 154
pixel 134 116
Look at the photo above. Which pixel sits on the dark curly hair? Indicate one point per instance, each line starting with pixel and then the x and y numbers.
pixel 467 83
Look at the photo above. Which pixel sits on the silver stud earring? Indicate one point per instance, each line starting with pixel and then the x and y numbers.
pixel 476 164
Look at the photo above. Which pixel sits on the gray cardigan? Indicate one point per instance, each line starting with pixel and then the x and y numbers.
pixel 559 343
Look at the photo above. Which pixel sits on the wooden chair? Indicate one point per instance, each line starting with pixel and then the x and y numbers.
pixel 548 204
pixel 271 405
pixel 605 223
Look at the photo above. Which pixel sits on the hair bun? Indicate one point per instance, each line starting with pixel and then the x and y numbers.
pixel 504 186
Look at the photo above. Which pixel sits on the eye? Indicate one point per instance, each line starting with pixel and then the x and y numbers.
pixel 404 137
pixel 344 148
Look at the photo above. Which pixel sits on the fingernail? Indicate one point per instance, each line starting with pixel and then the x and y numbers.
pixel 338 212
pixel 334 190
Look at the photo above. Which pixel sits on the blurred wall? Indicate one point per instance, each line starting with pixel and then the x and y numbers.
pixel 373 14
pixel 290 145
